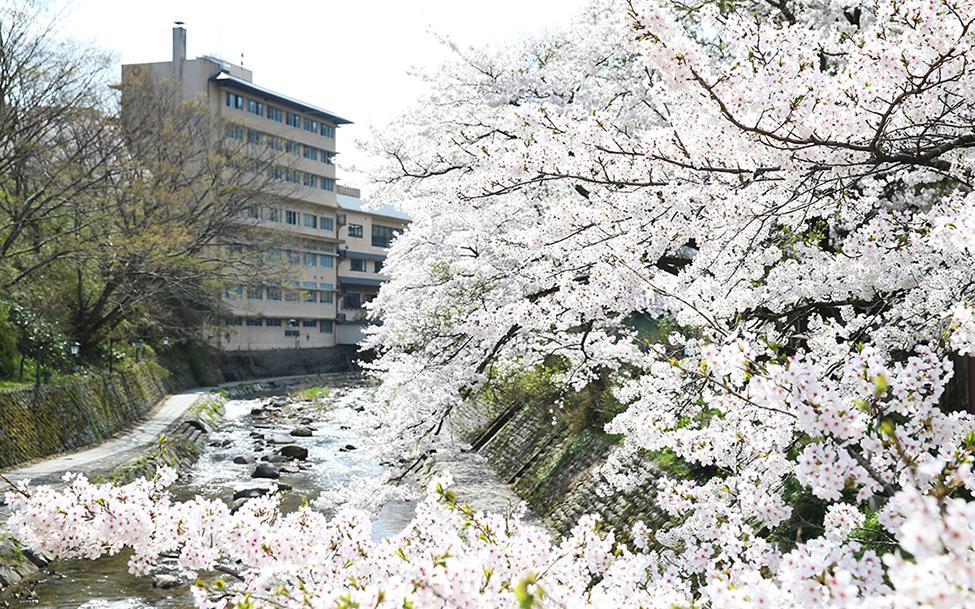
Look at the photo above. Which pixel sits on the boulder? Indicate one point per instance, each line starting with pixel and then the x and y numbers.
pixel 242 460
pixel 265 470
pixel 165 582
pixel 302 432
pixel 293 451
pixel 347 447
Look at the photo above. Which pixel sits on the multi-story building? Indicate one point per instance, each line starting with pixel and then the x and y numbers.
pixel 365 236
pixel 300 210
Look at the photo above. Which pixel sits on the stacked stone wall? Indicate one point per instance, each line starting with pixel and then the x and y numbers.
pixel 555 466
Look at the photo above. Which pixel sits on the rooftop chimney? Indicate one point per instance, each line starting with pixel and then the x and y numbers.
pixel 179 50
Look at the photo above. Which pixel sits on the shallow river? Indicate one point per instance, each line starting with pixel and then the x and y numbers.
pixel 106 584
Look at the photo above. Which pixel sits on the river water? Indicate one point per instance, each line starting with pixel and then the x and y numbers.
pixel 106 584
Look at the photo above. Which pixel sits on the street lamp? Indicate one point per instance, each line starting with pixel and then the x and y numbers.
pixel 37 367
pixel 74 348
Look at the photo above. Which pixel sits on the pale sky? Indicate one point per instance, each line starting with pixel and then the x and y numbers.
pixel 350 57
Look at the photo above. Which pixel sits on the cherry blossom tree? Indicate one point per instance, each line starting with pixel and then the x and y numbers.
pixel 789 184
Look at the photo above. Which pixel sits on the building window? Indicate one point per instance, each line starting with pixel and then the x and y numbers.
pixel 235 321
pixel 291 295
pixel 308 323
pixel 382 236
pixel 293 256
pixel 325 326
pixel 292 120
pixel 294 333
pixel 292 147
pixel 254 137
pixel 311 153
pixel 328 157
pixel 311 221
pixel 293 176
pixel 273 323
pixel 311 259
pixel 274 293
pixel 311 125
pixel 236 292
pixel 255 107
pixel 274 114
pixel 255 292
pixel 352 300
pixel 273 214
pixel 355 230
pixel 358 264
pixel 275 143
pixel 328 184
pixel 309 292
pixel 326 296
pixel 254 322
pixel 291 217
pixel 235 132
pixel 327 261
pixel 311 180
pixel 377 267
pixel 328 131
pixel 235 101
pixel 326 223
pixel 275 172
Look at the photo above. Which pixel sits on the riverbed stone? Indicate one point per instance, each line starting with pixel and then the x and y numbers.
pixel 302 432
pixel 250 493
pixel 293 451
pixel 265 470
pixel 242 460
pixel 165 582
pixel 274 459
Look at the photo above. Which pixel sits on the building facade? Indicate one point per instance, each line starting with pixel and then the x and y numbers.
pixel 365 235
pixel 300 211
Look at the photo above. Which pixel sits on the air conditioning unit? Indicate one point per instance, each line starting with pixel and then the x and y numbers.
pixel 340 219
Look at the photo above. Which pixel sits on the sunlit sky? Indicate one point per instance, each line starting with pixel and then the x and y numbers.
pixel 352 58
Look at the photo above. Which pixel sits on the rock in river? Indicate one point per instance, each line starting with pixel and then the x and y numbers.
pixel 265 470
pixel 302 432
pixel 165 582
pixel 293 451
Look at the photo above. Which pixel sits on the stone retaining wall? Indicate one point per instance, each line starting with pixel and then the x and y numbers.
pixel 554 467
pixel 243 365
pixel 40 421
